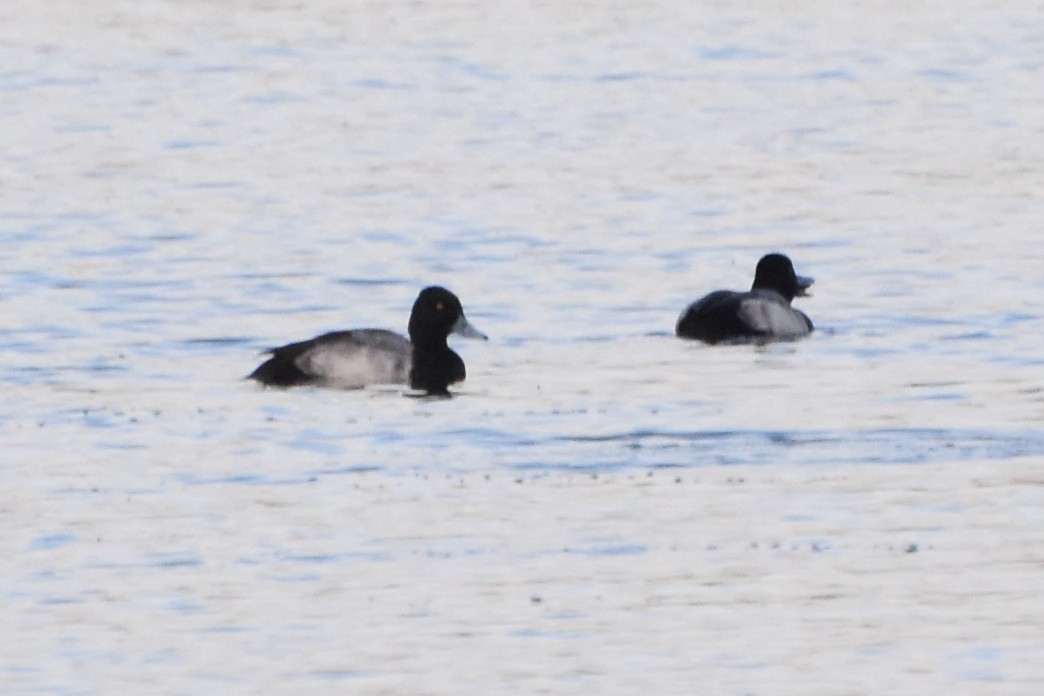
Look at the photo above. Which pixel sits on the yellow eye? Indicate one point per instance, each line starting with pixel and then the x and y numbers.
pixel 438 306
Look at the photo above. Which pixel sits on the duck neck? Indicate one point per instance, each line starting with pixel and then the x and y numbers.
pixel 435 367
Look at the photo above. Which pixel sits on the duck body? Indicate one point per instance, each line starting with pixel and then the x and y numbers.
pixel 340 360
pixel 358 358
pixel 762 314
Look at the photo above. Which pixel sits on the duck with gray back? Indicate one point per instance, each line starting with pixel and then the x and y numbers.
pixel 357 358
pixel 761 315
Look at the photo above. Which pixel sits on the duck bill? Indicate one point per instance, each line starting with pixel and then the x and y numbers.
pixel 462 328
pixel 804 283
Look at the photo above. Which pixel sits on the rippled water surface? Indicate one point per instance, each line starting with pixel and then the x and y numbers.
pixel 602 508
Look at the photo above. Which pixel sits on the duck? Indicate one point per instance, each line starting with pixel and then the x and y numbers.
pixel 761 315
pixel 356 358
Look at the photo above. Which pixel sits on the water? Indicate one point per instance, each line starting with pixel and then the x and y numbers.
pixel 603 508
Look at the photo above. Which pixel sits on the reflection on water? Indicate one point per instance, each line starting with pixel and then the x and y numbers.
pixel 187 186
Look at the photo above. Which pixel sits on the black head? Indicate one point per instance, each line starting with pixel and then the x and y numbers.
pixel 776 272
pixel 436 314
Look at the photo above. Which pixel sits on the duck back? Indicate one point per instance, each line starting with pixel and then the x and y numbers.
pixel 713 318
pixel 339 359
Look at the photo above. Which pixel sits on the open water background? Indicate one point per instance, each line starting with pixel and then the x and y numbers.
pixel 183 185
